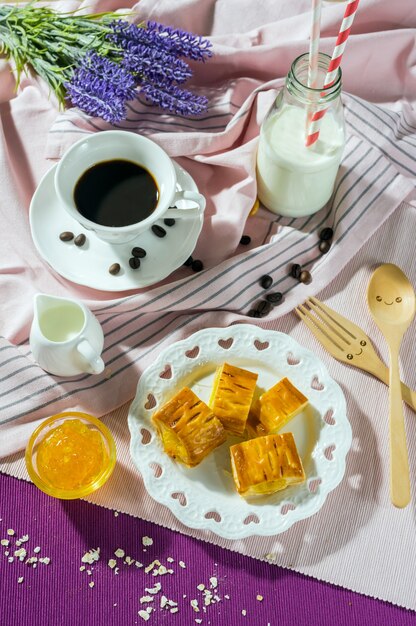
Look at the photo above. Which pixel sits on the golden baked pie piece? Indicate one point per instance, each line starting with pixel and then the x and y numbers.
pixel 188 428
pixel 231 396
pixel 266 464
pixel 278 405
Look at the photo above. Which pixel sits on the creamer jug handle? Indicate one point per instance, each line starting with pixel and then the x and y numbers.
pixel 95 362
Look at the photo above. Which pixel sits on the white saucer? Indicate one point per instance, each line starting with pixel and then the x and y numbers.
pixel 88 265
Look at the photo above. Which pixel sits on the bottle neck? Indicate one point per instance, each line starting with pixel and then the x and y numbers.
pixel 298 82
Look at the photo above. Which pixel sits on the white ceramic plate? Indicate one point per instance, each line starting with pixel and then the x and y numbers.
pixel 205 497
pixel 88 265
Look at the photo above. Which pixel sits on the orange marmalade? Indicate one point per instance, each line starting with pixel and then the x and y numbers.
pixel 71 455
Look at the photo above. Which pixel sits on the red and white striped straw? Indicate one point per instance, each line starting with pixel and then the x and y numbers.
pixel 335 62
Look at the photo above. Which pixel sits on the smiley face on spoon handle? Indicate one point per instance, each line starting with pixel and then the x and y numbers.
pixel 392 303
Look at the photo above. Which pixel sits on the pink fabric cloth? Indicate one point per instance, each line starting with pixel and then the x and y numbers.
pixel 253 51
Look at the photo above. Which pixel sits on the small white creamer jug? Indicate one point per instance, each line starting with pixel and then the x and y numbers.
pixel 65 338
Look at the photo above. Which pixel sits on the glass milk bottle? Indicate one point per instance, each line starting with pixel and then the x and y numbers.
pixel 294 179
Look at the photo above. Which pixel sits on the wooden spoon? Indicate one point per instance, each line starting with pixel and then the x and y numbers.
pixel 391 300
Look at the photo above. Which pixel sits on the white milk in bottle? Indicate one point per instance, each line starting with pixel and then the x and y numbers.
pixel 294 179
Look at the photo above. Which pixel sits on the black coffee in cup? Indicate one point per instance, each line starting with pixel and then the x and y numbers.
pixel 116 193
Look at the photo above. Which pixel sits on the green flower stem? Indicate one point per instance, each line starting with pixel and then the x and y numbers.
pixel 51 43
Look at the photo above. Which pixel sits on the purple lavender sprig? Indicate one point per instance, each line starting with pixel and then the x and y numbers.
pixel 173 41
pixel 174 99
pixel 101 88
pixel 180 42
pixel 141 59
pixel 154 64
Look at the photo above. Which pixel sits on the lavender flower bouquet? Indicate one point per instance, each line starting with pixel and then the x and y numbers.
pixel 99 62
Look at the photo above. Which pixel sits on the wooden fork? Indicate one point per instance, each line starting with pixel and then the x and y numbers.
pixel 346 342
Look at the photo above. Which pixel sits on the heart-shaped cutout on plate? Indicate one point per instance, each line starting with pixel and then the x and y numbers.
pixel 192 354
pixel 292 359
pixel 146 436
pixel 213 515
pixel 157 469
pixel 166 372
pixel 313 485
pixel 226 343
pixel 180 497
pixel 329 417
pixel 261 345
pixel 150 402
pixel 286 508
pixel 316 384
pixel 328 452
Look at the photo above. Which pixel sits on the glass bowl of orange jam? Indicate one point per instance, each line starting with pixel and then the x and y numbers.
pixel 70 455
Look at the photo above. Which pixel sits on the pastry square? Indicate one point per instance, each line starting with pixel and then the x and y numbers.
pixel 266 464
pixel 188 428
pixel 231 396
pixel 278 405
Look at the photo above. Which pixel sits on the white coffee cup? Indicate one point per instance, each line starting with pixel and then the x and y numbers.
pixel 123 145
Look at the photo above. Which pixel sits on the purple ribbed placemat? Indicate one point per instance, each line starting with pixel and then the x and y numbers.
pixel 59 593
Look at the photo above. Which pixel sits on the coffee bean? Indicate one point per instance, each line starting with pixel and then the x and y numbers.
pixel 264 308
pixel 158 230
pixel 253 313
pixel 305 277
pixel 245 240
pixel 169 221
pixel 114 268
pixel 197 265
pixel 139 253
pixel 266 281
pixel 80 240
pixel 275 297
pixel 295 270
pixel 188 261
pixel 134 263
pixel 324 246
pixel 326 234
pixel 66 236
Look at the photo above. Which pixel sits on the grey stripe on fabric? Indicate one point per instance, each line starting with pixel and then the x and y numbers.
pixel 371 108
pixel 211 107
pixel 164 128
pixel 373 199
pixel 199 120
pixel 357 182
pixel 8 347
pixel 383 136
pixel 156 127
pixel 16 357
pixel 384 152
